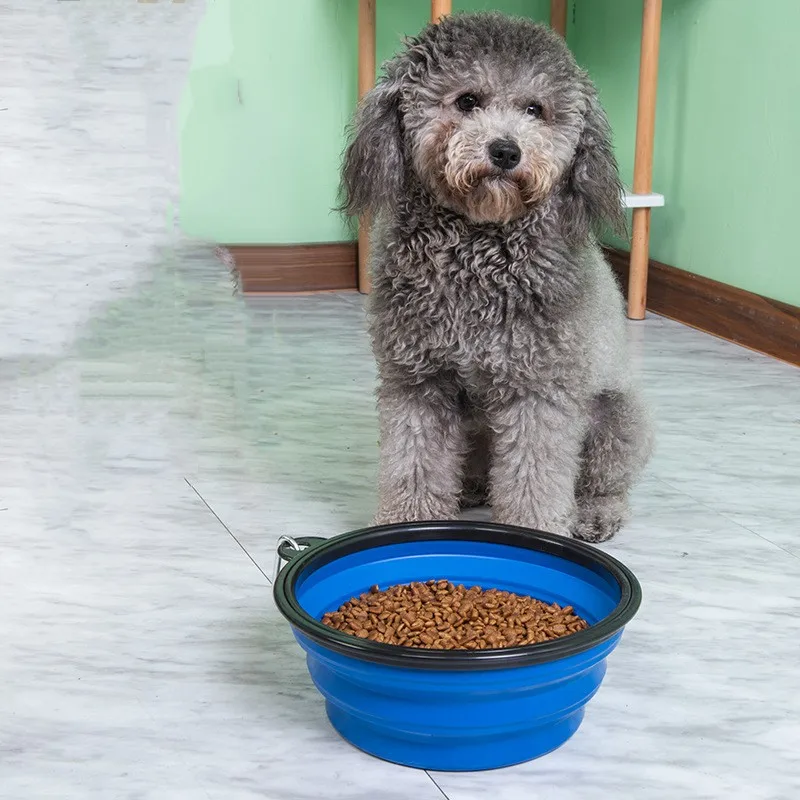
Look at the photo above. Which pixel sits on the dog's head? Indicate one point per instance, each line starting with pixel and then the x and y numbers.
pixel 493 117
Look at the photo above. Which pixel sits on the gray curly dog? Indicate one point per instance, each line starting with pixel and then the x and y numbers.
pixel 484 160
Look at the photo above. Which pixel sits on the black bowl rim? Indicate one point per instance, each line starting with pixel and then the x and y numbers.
pixel 345 544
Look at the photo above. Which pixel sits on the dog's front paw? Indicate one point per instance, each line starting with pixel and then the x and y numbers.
pixel 396 515
pixel 600 518
pixel 561 525
pixel 390 518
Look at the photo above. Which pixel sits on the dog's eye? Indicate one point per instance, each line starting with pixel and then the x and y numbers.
pixel 467 103
pixel 534 110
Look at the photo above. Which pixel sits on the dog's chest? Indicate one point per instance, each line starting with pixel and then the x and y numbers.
pixel 470 306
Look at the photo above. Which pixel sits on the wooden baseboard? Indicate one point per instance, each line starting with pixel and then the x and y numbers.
pixel 293 268
pixel 756 322
pixel 759 323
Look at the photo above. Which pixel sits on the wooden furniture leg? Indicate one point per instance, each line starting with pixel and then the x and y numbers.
pixel 643 163
pixel 558 16
pixel 440 8
pixel 366 80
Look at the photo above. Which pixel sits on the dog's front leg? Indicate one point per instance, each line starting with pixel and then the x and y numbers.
pixel 535 461
pixel 422 450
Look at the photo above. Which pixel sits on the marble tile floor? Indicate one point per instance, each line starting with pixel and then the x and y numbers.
pixel 143 657
pixel 148 415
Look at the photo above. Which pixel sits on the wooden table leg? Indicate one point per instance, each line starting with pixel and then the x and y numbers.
pixel 441 8
pixel 558 16
pixel 366 80
pixel 643 163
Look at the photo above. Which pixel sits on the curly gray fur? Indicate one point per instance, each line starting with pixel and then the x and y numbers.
pixel 496 323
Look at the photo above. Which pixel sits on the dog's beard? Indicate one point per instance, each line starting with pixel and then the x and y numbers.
pixel 498 199
pixel 489 195
pixel 493 199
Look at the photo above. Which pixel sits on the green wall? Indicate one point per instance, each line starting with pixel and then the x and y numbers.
pixel 263 168
pixel 727 135
pixel 271 88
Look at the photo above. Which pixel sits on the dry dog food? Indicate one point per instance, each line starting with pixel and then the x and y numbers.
pixel 440 616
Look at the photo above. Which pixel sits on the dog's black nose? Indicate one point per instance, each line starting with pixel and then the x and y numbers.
pixel 504 153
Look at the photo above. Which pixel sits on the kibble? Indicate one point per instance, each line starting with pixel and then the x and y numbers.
pixel 437 615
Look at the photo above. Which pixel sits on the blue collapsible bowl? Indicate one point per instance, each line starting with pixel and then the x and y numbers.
pixel 455 710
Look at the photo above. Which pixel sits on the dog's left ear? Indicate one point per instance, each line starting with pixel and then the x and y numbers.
pixel 594 190
pixel 374 165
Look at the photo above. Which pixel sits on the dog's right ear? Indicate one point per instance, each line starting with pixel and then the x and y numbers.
pixel 374 164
